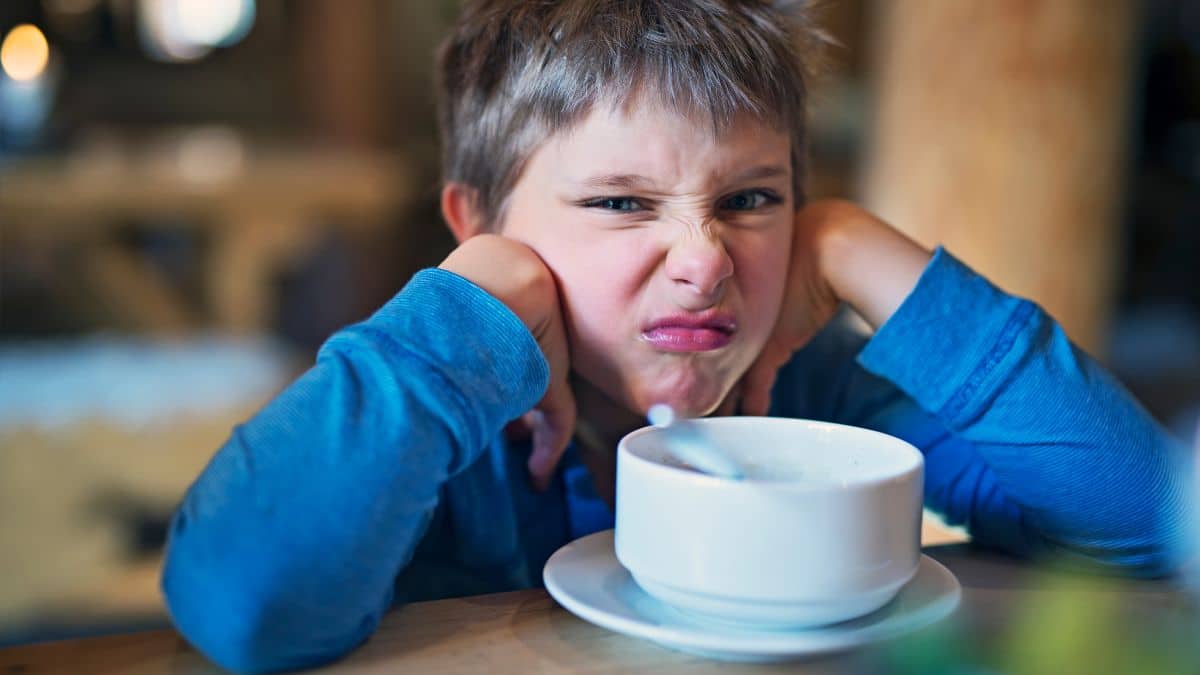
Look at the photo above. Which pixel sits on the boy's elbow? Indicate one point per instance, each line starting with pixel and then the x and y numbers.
pixel 254 643
pixel 243 630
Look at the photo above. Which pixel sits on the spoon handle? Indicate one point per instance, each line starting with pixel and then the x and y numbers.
pixel 686 443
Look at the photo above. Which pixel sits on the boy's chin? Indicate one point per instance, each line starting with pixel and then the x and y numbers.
pixel 694 402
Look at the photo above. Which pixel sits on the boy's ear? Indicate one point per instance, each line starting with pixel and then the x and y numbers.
pixel 461 211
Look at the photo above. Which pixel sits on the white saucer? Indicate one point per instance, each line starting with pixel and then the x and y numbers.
pixel 586 578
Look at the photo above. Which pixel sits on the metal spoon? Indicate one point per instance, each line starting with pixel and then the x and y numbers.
pixel 688 445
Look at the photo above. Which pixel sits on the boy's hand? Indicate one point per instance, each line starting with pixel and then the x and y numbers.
pixel 840 253
pixel 511 272
pixel 809 302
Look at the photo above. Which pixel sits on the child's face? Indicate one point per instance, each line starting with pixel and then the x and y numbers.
pixel 670 247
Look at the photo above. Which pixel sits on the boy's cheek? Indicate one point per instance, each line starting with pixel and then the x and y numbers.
pixel 764 292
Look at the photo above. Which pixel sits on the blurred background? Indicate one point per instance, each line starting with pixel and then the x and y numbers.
pixel 195 193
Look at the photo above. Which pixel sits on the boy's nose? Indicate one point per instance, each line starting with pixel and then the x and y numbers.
pixel 699 264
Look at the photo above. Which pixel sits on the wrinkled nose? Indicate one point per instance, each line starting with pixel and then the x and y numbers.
pixel 698 264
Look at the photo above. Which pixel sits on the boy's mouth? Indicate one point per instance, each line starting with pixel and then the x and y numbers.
pixel 691 332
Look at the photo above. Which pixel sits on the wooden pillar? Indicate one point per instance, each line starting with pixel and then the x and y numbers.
pixel 1000 131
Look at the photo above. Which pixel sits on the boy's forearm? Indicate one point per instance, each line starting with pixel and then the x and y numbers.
pixel 1091 471
pixel 285 551
pixel 870 265
pixel 1094 476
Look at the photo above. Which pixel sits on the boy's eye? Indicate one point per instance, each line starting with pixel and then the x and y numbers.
pixel 615 204
pixel 749 200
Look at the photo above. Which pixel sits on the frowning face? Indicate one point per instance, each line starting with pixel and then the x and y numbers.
pixel 670 245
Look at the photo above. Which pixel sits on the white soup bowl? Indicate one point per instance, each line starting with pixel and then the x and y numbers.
pixel 824 528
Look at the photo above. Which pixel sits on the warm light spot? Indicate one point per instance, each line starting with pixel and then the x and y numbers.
pixel 24 53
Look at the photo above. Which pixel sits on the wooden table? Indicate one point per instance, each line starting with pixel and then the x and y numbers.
pixel 1011 613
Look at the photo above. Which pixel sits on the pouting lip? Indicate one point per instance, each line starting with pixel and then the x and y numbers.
pixel 720 321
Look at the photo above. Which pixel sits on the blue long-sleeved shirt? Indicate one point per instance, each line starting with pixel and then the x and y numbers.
pixel 382 474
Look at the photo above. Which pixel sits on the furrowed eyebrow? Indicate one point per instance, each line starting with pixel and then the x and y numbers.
pixel 632 181
pixel 620 181
pixel 760 173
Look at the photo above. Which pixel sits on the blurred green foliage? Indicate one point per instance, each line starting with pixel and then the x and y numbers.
pixel 1069 625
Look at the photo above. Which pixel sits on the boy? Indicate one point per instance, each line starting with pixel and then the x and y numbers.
pixel 624 179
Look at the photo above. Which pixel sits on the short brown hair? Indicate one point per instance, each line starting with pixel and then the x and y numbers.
pixel 513 73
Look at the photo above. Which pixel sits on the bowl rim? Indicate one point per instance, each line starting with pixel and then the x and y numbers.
pixel 624 453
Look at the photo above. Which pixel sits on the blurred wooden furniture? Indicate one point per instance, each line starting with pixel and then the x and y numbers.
pixel 1006 605
pixel 66 566
pixel 258 209
pixel 1001 131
